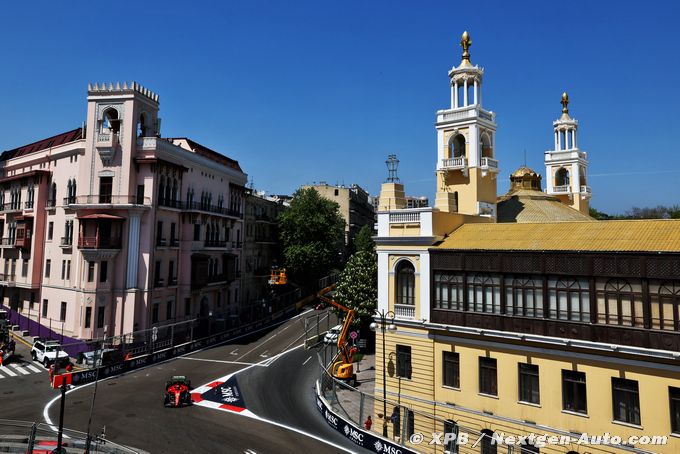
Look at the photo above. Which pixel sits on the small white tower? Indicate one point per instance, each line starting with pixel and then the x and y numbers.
pixel 466 134
pixel 566 165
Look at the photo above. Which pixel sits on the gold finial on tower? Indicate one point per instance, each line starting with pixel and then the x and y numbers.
pixel 565 103
pixel 465 43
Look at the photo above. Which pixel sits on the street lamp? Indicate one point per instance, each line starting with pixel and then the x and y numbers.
pixel 385 321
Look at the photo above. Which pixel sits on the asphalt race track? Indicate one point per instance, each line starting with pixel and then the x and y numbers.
pixel 280 389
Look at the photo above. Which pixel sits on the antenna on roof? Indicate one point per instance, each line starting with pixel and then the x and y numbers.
pixel 525 157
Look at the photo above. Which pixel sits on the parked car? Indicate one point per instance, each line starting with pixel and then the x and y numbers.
pixel 49 352
pixel 103 357
pixel 331 336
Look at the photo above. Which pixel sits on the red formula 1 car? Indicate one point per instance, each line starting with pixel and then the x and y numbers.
pixel 177 392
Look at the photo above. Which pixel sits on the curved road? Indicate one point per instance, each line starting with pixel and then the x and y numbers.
pixel 130 406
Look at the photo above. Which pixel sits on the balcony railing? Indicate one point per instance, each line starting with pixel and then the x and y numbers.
pixel 16 206
pixel 215 243
pixel 69 200
pixel 174 242
pixel 171 203
pixel 66 241
pixel 585 189
pixel 236 244
pixel 109 199
pixel 7 277
pixel 28 205
pixel 94 242
pixel 198 206
pixel 562 189
pixel 50 203
pixel 454 163
pixel 404 310
pixel 158 282
pixel 489 164
pixel 7 242
pixel 412 217
pixel 160 242
pixel 172 281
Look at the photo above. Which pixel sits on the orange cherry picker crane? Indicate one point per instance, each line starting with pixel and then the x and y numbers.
pixel 342 368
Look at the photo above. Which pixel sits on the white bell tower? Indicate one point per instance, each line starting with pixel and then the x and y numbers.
pixel 566 165
pixel 466 136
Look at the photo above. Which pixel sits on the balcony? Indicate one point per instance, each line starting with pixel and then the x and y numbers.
pixel 586 192
pixel 562 189
pixel 459 163
pixel 158 283
pixel 215 243
pixel 236 245
pixel 69 200
pixel 7 278
pixel 50 204
pixel 7 242
pixel 404 310
pixel 174 242
pixel 462 113
pixel 28 205
pixel 66 242
pixel 107 143
pixel 161 242
pixel 214 209
pixel 95 242
pixel 489 165
pixel 172 281
pixel 11 207
pixel 97 200
pixel 167 203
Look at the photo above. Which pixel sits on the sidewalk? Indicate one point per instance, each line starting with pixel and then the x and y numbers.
pixel 350 403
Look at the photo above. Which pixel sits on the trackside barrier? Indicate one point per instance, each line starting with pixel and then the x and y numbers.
pixel 83 377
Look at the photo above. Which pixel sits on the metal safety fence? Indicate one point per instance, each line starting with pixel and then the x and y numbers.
pixel 32 437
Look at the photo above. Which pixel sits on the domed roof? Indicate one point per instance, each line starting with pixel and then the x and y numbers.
pixel 524 170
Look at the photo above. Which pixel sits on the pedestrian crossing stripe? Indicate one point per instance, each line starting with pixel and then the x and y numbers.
pixel 8 371
pixel 16 370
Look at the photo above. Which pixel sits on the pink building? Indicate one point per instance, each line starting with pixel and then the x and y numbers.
pixel 112 228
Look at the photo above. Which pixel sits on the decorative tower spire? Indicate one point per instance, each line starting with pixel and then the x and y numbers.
pixel 565 103
pixel 465 43
pixel 392 166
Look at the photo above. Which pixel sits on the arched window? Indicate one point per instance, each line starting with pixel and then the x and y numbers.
pixel 54 192
pixel 448 291
pixel 524 296
pixel 484 294
pixel 110 121
pixel 457 146
pixel 141 126
pixel 562 177
pixel 665 304
pixel 406 283
pixel 487 444
pixel 487 151
pixel 569 299
pixel 619 304
pixel 174 190
pixel 161 189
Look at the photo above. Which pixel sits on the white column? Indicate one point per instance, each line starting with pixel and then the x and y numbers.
pixel 133 249
pixel 383 281
pixel 465 96
pixel 424 279
pixel 557 140
pixel 479 93
pixel 573 139
pixel 473 146
pixel 575 178
pixel 455 94
pixel 475 92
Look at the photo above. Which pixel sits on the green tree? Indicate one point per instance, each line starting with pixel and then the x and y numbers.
pixel 312 232
pixel 357 286
pixel 364 240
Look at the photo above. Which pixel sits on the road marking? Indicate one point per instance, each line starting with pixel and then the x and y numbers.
pixel 222 361
pixel 33 368
pixel 307 360
pixel 264 354
pixel 20 369
pixel 249 451
pixel 235 352
pixel 8 372
pixel 39 364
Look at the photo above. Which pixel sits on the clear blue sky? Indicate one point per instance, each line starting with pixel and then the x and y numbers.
pixel 325 90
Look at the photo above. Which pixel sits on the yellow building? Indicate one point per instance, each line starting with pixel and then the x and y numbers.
pixel 522 315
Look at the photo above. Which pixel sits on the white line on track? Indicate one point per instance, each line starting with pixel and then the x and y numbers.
pixel 33 368
pixel 6 370
pixel 218 361
pixel 20 369
pixel 307 360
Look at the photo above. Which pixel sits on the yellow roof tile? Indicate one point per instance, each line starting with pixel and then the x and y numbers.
pixel 631 235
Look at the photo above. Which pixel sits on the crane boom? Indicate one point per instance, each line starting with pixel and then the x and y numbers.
pixel 342 337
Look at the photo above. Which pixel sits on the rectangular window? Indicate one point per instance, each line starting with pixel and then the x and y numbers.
pixel 674 397
pixel 488 380
pixel 197 232
pixel 68 270
pixel 173 238
pixel 103 271
pixel 50 230
pixel 187 306
pixel 154 314
pixel 168 310
pixel 158 280
pixel 140 194
pixel 450 445
pixel 574 391
pixel 62 312
pixel 24 267
pixel 160 241
pixel 44 309
pixel 63 269
pixel 171 273
pixel 88 317
pixel 528 383
pixel 626 400
pixel 100 317
pixel 48 267
pixel 105 189
pixel 451 369
pixel 90 271
pixel 404 361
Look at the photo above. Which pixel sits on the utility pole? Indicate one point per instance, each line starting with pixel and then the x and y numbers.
pixel 55 371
